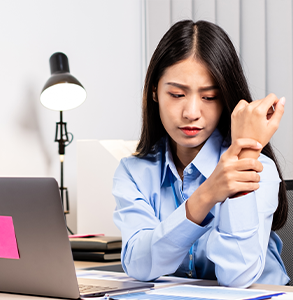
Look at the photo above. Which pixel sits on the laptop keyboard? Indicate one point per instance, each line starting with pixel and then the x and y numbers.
pixel 85 288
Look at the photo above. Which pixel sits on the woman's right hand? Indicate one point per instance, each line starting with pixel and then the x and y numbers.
pixel 233 175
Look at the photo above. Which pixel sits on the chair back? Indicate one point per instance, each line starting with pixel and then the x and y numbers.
pixel 286 233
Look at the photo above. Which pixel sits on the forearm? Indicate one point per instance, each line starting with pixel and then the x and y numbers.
pixel 146 257
pixel 242 234
pixel 152 252
pixel 237 236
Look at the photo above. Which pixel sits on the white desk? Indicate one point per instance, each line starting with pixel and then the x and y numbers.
pixel 81 265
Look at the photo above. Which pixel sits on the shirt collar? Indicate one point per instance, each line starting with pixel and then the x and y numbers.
pixel 168 162
pixel 205 161
pixel 208 157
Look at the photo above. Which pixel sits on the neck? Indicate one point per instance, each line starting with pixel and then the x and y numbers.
pixel 183 156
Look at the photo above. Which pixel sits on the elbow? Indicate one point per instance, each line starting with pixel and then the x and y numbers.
pixel 142 277
pixel 139 268
pixel 138 272
pixel 137 262
pixel 236 283
pixel 243 277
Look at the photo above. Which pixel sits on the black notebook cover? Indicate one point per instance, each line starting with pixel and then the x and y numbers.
pixel 97 243
pixel 96 256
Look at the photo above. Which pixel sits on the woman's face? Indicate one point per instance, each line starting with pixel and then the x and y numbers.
pixel 189 103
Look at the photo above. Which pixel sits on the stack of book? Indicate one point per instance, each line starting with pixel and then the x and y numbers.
pixel 96 248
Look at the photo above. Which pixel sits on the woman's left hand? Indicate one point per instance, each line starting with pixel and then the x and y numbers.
pixel 257 120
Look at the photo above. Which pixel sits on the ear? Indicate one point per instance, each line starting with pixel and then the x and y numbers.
pixel 155 98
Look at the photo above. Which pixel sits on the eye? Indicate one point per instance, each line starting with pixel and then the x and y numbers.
pixel 210 98
pixel 176 95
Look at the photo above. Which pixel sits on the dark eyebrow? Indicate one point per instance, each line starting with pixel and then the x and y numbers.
pixel 208 88
pixel 187 88
pixel 180 86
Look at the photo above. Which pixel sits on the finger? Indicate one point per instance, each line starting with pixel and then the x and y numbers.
pixel 248 186
pixel 266 103
pixel 278 113
pixel 247 176
pixel 244 187
pixel 249 164
pixel 240 105
pixel 244 143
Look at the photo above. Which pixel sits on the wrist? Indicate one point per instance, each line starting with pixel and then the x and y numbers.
pixel 249 153
pixel 199 204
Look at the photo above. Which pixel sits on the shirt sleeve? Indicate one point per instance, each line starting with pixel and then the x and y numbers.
pixel 238 245
pixel 151 248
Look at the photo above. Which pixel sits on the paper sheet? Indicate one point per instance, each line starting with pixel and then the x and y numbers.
pixel 175 288
pixel 186 292
pixel 160 282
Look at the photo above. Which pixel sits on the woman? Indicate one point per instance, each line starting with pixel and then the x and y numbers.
pixel 198 199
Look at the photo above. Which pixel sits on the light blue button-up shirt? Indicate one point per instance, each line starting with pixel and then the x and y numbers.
pixel 234 244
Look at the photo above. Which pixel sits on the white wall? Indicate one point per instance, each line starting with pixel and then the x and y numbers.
pixel 102 40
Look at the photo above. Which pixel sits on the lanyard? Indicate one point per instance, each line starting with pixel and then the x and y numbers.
pixel 177 205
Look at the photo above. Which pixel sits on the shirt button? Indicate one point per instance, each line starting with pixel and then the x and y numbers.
pixel 190 171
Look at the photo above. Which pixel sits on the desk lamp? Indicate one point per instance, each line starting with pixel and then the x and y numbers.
pixel 62 92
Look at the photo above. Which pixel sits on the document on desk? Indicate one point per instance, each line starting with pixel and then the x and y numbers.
pixel 189 292
pixel 107 275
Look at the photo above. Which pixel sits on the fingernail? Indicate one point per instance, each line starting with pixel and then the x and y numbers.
pixel 259 145
pixel 283 100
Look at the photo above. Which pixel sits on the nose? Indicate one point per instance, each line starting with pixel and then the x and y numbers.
pixel 192 109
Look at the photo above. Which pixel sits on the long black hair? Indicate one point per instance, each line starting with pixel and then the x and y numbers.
pixel 209 44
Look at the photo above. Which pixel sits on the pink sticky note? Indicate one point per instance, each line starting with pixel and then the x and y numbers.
pixel 8 244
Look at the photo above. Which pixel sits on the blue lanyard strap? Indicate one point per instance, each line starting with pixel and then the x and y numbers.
pixel 177 205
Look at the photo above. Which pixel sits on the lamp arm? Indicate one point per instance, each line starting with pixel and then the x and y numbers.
pixel 61 136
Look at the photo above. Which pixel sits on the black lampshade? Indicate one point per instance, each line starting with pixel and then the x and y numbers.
pixel 62 91
pixel 59 63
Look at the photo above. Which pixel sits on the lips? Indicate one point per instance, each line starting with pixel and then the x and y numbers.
pixel 190 131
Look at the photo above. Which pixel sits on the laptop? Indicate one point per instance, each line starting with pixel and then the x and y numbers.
pixel 32 209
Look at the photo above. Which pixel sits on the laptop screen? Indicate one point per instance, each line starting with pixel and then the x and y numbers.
pixel 36 257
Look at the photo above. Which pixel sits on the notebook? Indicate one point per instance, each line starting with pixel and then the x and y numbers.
pixel 96 256
pixel 96 243
pixel 35 252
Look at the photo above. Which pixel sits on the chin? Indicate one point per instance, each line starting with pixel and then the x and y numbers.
pixel 191 143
